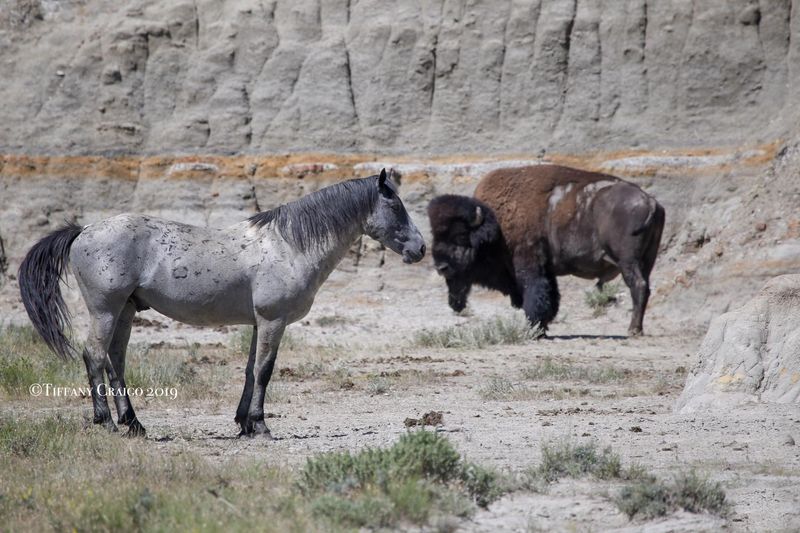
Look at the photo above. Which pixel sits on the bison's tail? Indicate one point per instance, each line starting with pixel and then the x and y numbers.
pixel 39 276
pixel 651 214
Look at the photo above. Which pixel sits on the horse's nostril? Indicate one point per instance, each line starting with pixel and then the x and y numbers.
pixel 422 250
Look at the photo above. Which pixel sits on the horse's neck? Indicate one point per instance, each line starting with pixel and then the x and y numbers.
pixel 327 257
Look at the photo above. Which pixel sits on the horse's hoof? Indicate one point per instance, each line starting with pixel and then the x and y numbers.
pixel 135 430
pixel 635 332
pixel 253 429
pixel 108 425
pixel 264 434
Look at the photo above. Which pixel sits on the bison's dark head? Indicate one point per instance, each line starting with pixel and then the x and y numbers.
pixel 462 227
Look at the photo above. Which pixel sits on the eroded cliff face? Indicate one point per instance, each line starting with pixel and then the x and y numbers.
pixel 197 111
pixel 731 213
pixel 266 76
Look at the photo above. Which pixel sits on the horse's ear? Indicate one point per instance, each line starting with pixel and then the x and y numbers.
pixel 383 185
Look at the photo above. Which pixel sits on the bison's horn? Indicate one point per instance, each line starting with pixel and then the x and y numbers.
pixel 478 220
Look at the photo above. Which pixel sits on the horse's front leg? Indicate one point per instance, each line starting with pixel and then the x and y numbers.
pixel 247 393
pixel 269 335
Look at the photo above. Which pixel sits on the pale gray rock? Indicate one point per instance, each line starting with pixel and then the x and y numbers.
pixel 751 354
pixel 446 76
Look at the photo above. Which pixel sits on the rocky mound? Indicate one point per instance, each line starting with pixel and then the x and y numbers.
pixel 90 76
pixel 750 354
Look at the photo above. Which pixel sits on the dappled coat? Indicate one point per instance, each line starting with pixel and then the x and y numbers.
pixel 525 226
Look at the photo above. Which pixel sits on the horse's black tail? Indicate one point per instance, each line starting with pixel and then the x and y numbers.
pixel 39 276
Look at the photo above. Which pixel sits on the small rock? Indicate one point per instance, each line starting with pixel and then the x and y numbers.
pixel 761 226
pixel 433 418
pixel 111 75
pixel 750 15
pixel 635 429
pixel 788 440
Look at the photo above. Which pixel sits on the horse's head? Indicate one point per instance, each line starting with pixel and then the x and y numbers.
pixel 390 224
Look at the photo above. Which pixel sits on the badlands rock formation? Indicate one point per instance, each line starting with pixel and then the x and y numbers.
pixel 258 76
pixel 202 111
pixel 750 354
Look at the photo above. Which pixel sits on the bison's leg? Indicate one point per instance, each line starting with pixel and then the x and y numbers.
pixel 541 299
pixel 639 273
pixel 640 293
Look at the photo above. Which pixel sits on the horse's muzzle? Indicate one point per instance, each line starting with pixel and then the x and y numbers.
pixel 412 255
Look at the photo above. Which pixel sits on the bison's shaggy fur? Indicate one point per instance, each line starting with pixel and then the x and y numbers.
pixel 526 226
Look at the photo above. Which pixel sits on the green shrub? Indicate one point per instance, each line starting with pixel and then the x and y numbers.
pixel 403 483
pixel 25 359
pixel 600 299
pixel 651 497
pixel 499 330
pixel 567 459
pixel 550 369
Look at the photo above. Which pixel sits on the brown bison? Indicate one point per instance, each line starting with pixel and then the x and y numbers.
pixel 525 226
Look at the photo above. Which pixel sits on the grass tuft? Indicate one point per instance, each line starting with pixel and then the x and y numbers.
pixel 421 473
pixel 25 359
pixel 646 496
pixel 599 300
pixel 377 385
pixel 499 388
pixel 499 330
pixel 549 369
pixel 651 497
pixel 68 478
pixel 568 459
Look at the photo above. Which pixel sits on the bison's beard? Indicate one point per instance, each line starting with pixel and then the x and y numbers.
pixel 458 293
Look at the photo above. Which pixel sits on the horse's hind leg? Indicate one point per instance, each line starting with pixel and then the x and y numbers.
pixel 116 371
pixel 96 360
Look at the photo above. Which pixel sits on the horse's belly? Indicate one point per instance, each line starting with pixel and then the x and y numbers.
pixel 201 308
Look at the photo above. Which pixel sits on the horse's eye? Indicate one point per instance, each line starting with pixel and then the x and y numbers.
pixel 396 206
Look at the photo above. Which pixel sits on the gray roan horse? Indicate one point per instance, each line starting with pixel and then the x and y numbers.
pixel 264 271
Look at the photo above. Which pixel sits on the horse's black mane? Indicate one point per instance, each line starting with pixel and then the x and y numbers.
pixel 314 218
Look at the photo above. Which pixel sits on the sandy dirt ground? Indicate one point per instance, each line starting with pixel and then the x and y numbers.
pixel 372 375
